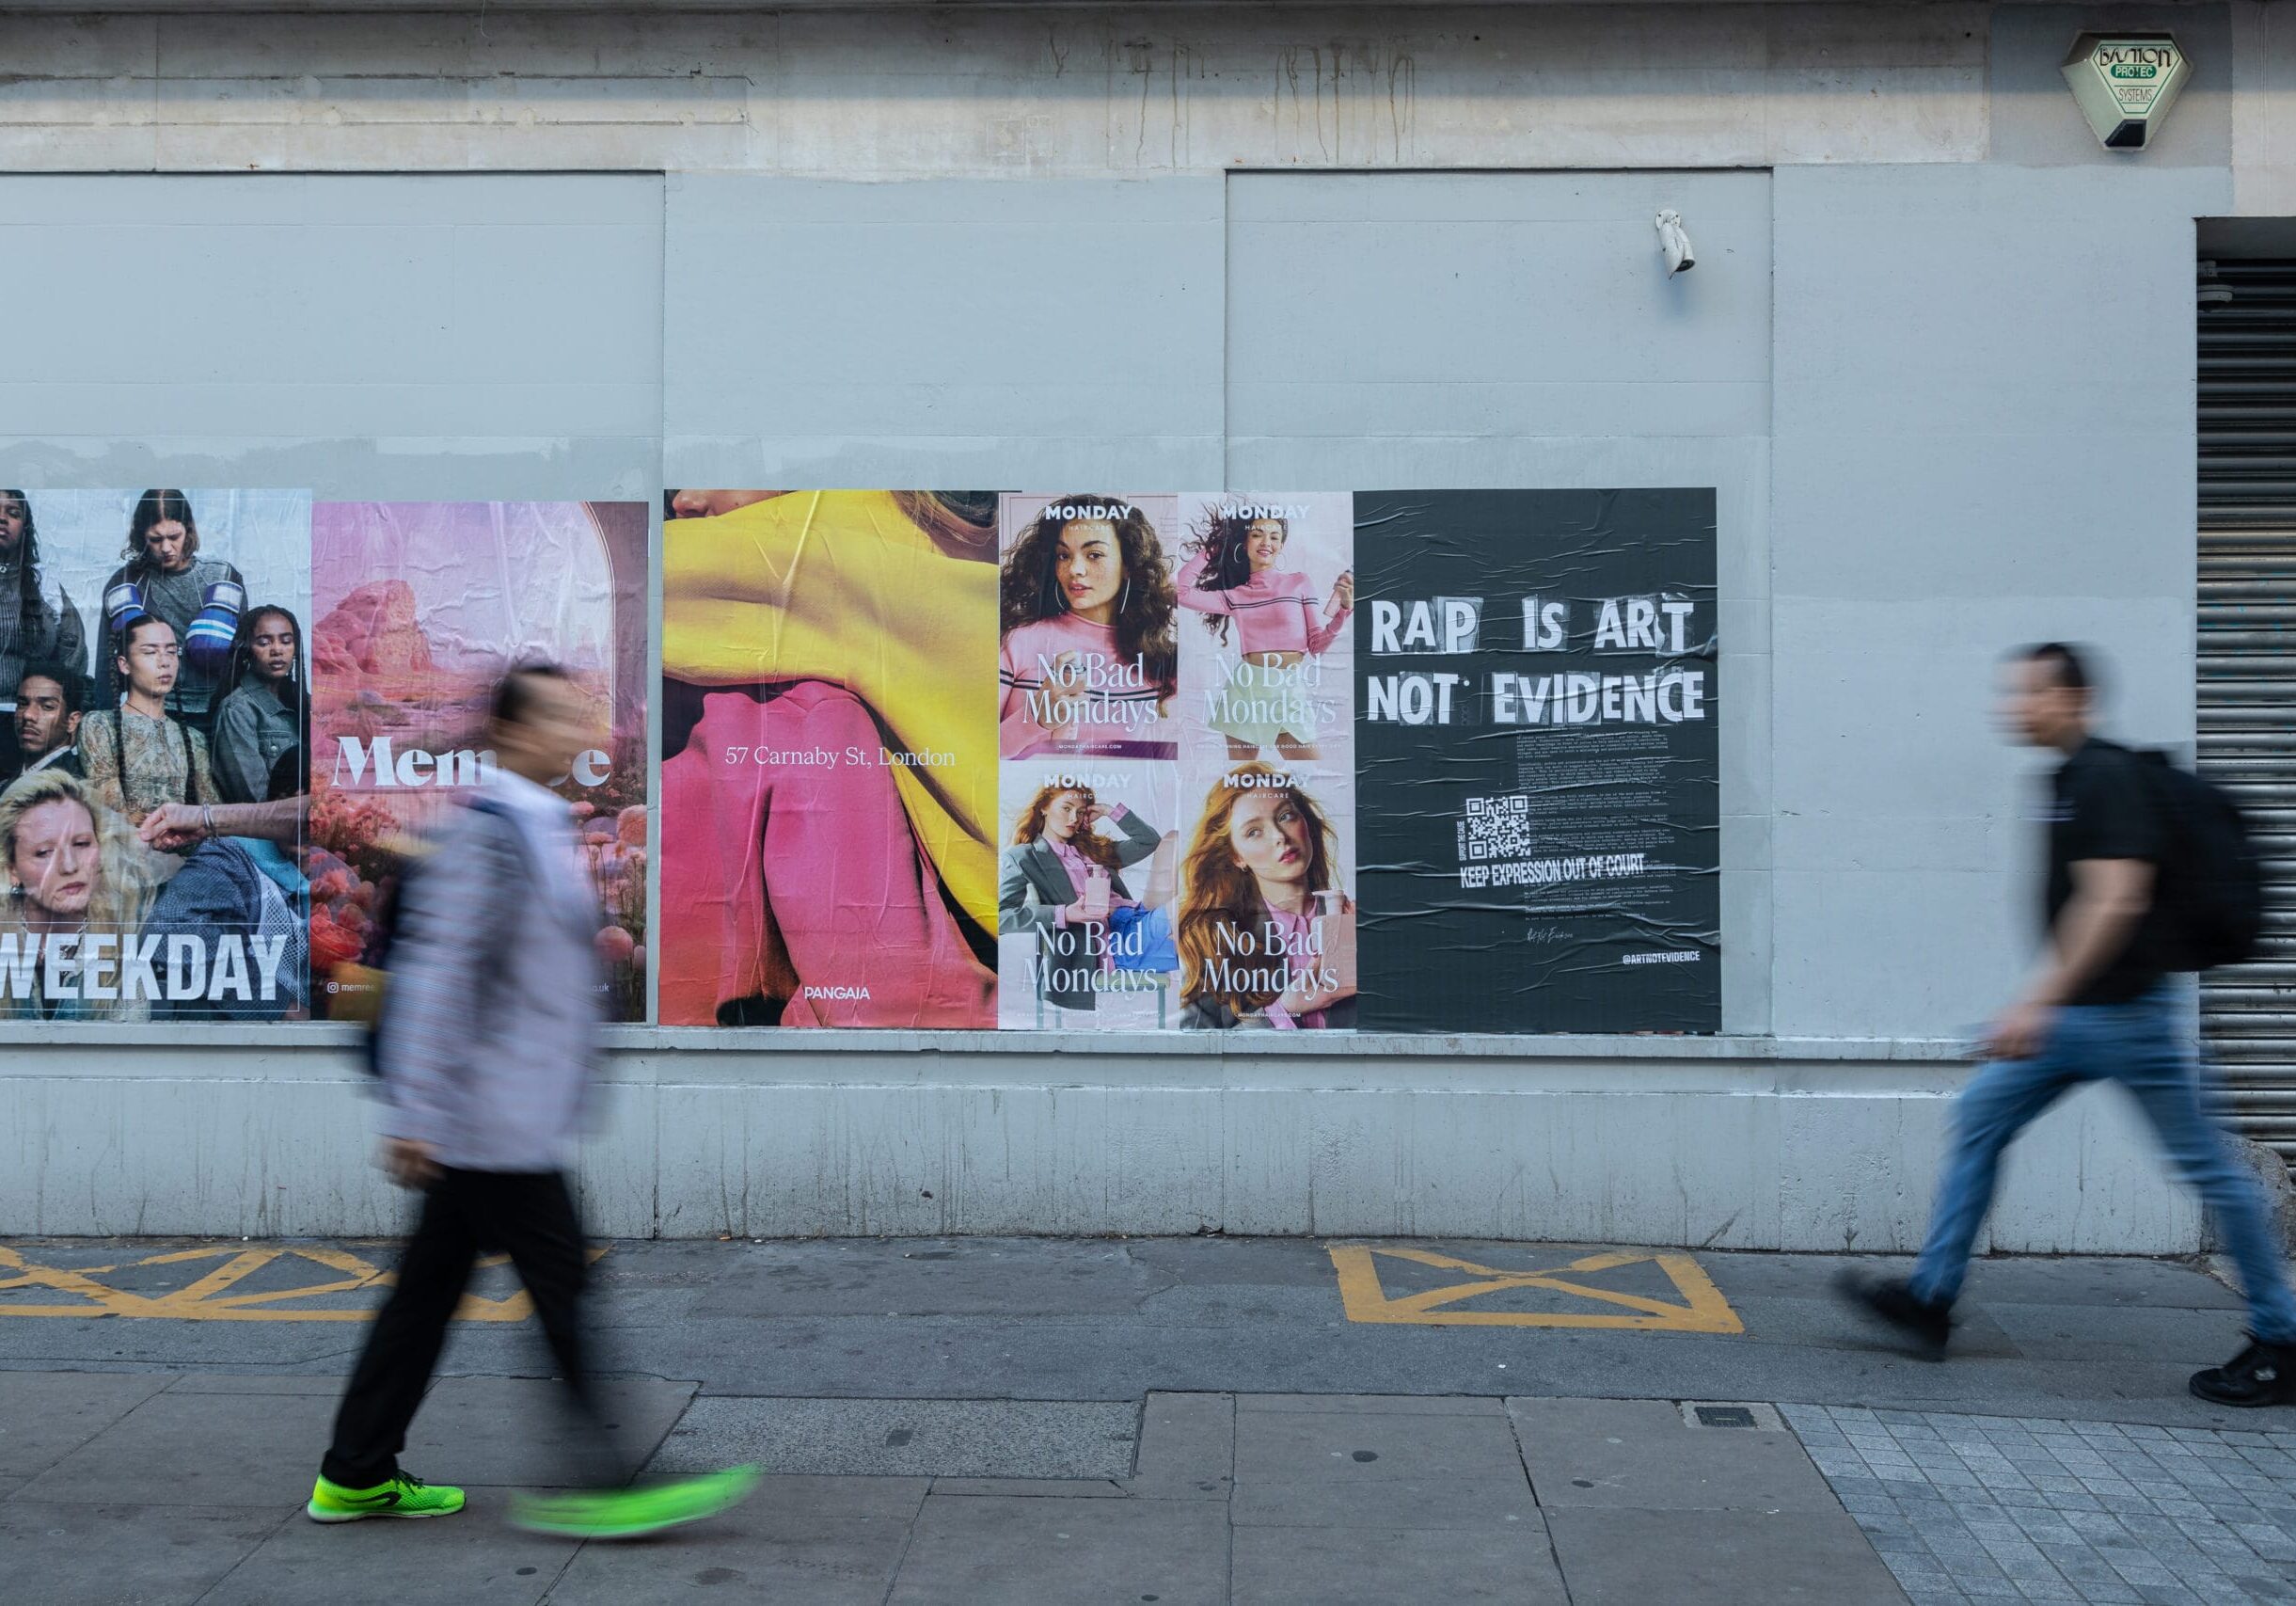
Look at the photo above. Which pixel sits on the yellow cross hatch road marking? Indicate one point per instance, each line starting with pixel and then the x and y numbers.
pixel 1561 1297
pixel 309 1282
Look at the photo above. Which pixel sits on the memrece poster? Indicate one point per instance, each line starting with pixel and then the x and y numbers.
pixel 153 671
pixel 420 608
pixel 1539 763
pixel 829 759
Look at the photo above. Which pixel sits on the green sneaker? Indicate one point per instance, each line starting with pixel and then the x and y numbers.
pixel 397 1496
pixel 631 1514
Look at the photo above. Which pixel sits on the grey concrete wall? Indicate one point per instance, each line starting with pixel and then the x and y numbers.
pixel 1029 92
pixel 1936 360
pixel 1985 435
pixel 960 333
pixel 425 337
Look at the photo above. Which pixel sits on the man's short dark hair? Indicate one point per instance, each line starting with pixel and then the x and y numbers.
pixel 72 686
pixel 2067 666
pixel 513 695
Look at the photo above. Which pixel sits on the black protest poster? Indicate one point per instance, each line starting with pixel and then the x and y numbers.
pixel 1539 773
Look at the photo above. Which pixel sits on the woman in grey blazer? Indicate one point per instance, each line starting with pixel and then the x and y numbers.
pixel 1055 849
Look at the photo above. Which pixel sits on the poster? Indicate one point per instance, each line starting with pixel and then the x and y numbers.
pixel 1086 882
pixel 1265 925
pixel 1087 658
pixel 154 673
pixel 1089 727
pixel 1538 760
pixel 420 608
pixel 830 759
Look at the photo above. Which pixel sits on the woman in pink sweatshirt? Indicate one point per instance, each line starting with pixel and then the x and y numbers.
pixel 1233 576
pixel 1087 663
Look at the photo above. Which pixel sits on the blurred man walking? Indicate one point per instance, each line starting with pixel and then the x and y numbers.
pixel 487 1052
pixel 2099 1005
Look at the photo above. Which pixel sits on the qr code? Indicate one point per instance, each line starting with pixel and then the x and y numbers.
pixel 1497 828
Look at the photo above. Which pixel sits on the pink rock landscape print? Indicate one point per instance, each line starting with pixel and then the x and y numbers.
pixel 419 608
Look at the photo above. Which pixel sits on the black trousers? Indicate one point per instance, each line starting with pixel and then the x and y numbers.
pixel 529 1216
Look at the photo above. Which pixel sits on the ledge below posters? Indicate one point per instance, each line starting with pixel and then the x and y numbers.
pixel 1121 761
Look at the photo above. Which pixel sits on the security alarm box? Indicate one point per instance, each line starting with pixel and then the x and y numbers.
pixel 2125 84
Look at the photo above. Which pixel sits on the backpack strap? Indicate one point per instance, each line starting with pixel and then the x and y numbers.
pixel 520 856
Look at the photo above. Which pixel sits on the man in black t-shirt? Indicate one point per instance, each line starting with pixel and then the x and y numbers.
pixel 2103 812
pixel 2097 1005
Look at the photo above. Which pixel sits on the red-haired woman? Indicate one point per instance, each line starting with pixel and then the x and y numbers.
pixel 1064 881
pixel 1266 937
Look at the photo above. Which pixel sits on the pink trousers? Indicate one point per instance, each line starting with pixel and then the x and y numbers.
pixel 789 870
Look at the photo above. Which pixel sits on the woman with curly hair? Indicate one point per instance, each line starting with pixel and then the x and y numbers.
pixel 74 870
pixel 1266 937
pixel 1235 575
pixel 1064 881
pixel 263 722
pixel 1088 662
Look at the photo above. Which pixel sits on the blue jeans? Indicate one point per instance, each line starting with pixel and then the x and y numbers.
pixel 2142 1045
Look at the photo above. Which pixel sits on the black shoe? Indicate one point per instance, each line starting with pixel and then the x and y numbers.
pixel 1890 1300
pixel 2261 1374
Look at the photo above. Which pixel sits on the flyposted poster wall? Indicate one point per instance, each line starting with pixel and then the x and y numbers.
pixel 1096 758
pixel 1539 761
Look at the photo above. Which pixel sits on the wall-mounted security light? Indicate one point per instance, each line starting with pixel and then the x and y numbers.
pixel 1674 243
pixel 2125 84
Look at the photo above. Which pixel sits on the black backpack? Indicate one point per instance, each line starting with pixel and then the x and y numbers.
pixel 392 899
pixel 386 936
pixel 2210 884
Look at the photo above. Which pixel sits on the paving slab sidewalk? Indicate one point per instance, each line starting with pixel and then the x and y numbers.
pixel 187 1492
pixel 1039 1422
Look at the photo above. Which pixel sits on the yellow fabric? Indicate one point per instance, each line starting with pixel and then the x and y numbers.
pixel 842 587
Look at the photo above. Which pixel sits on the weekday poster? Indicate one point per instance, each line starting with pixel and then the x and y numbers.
pixel 153 671
pixel 1538 766
pixel 420 607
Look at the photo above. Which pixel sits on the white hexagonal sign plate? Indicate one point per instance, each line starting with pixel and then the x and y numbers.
pixel 2124 84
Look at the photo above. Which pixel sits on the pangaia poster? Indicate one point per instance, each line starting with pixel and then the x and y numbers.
pixel 419 608
pixel 1539 769
pixel 829 759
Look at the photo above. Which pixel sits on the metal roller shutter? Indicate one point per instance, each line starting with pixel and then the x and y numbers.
pixel 2247 658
